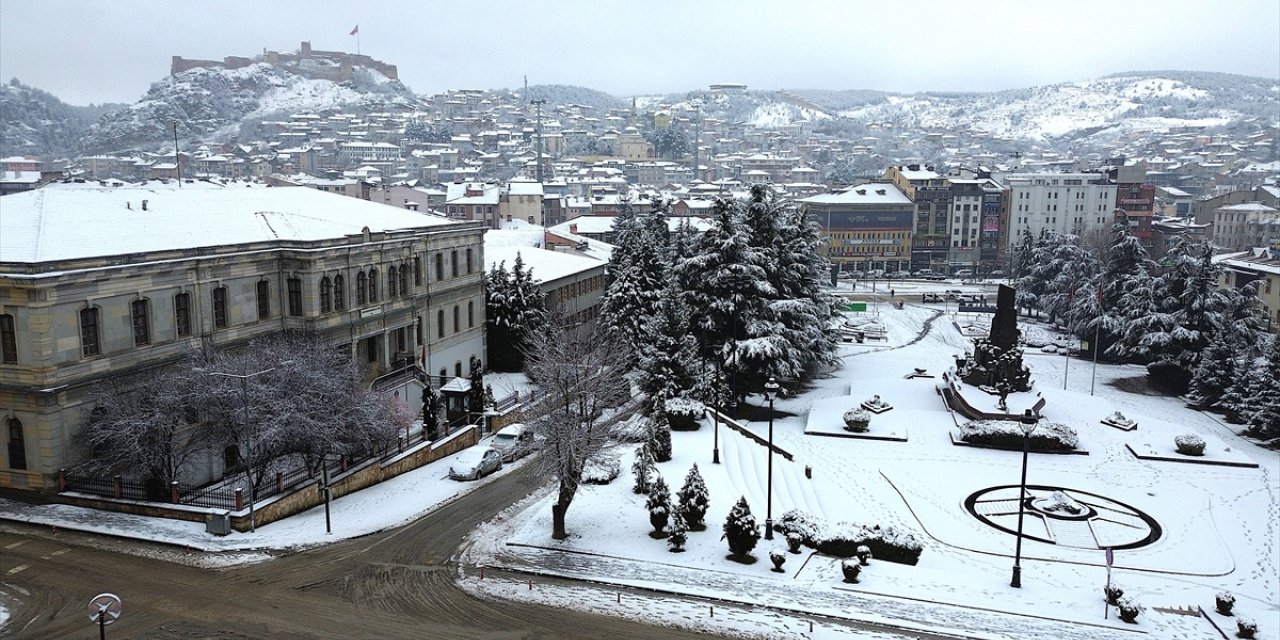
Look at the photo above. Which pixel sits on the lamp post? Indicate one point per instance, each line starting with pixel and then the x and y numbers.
pixel 716 397
pixel 770 394
pixel 1028 425
pixel 244 406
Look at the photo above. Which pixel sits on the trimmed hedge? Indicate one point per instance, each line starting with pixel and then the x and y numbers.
pixel 844 539
pixel 1007 434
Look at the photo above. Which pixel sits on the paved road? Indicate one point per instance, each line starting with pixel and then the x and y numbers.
pixel 396 584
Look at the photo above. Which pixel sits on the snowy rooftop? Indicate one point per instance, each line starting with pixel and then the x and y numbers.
pixel 546 266
pixel 875 193
pixel 71 221
pixel 604 224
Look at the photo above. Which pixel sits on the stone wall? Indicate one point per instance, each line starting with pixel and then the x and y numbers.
pixel 342 72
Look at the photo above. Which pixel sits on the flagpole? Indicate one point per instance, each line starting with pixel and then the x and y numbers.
pixel 1097 333
pixel 357 41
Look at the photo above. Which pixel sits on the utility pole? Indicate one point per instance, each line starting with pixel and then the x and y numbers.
pixel 538 105
pixel 177 160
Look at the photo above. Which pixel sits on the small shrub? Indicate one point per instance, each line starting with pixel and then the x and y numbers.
pixel 679 534
pixel 1246 628
pixel 857 420
pixel 864 554
pixel 794 542
pixel 1112 594
pixel 1129 609
pixel 1224 601
pixel 643 469
pixel 601 470
pixel 843 539
pixel 683 413
pixel 1189 444
pixel 777 557
pixel 850 571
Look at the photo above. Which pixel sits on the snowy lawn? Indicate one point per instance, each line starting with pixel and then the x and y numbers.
pixel 1218 524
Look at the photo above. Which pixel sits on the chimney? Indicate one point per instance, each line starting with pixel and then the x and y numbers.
pixel 573 228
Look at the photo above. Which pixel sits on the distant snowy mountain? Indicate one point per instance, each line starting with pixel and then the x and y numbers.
pixel 212 104
pixel 35 123
pixel 1113 105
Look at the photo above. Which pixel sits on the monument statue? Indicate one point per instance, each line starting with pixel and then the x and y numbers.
pixel 996 362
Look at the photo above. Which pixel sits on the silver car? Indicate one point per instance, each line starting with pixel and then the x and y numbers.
pixel 474 463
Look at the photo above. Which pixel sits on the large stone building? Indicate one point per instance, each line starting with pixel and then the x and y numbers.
pixel 1081 204
pixel 105 283
pixel 867 226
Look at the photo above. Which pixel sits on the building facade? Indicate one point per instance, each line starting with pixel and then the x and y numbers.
pixel 866 227
pixel 101 285
pixel 1081 204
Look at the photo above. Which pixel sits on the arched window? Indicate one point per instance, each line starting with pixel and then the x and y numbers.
pixel 391 282
pixel 417 271
pixel 8 340
pixel 471 314
pixel 324 294
pixel 339 293
pixel 17 444
pixel 362 288
pixel 453 263
pixel 468 260
pixel 373 285
pixel 456 327
pixel 404 279
pixel 440 323
pixel 440 265
pixel 457 368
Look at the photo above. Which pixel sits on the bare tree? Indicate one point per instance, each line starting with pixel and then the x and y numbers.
pixel 576 370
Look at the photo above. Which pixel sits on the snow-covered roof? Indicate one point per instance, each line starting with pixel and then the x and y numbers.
pixel 545 266
pixel 20 177
pixel 524 188
pixel 70 221
pixel 1248 207
pixel 874 193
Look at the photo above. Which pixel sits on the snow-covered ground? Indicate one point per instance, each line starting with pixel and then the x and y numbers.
pixel 1219 523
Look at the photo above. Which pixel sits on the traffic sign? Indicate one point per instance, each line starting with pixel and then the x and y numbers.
pixel 105 608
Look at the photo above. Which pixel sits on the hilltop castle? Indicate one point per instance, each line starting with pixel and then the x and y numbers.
pixel 319 65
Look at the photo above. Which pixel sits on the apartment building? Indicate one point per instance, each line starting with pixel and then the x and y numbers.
pixel 102 284
pixel 1077 203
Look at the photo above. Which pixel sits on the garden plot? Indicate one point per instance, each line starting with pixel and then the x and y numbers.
pixel 1216 452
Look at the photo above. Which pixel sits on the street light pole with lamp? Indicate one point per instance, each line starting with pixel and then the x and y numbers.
pixel 244 407
pixel 770 394
pixel 1028 425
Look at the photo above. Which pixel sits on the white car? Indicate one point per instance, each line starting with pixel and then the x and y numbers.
pixel 513 441
pixel 474 463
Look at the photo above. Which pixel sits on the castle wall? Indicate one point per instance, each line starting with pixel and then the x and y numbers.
pixel 343 72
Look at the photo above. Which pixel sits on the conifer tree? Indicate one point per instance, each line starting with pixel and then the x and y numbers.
pixel 1264 405
pixel 693 499
pixel 643 469
pixel 741 530
pixel 515 307
pixel 637 273
pixel 668 355
pixel 1215 374
pixel 659 504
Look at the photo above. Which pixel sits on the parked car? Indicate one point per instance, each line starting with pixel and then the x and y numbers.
pixel 921 273
pixel 474 463
pixel 875 273
pixel 964 273
pixel 899 275
pixel 953 294
pixel 998 273
pixel 513 441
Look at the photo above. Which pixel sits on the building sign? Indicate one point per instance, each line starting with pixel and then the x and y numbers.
pixel 869 220
pixel 991 223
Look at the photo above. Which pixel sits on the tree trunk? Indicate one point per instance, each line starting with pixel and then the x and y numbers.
pixel 557 512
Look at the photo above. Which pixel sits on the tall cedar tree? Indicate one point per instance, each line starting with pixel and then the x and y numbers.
pixel 668 353
pixel 1264 404
pixel 1193 310
pixel 658 503
pixel 637 273
pixel 515 309
pixel 1101 319
pixel 729 290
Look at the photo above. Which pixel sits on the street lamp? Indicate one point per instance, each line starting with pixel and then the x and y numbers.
pixel 248 433
pixel 770 394
pixel 1028 425
pixel 717 393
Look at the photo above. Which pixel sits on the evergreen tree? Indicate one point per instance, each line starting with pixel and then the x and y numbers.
pixel 431 408
pixel 659 504
pixel 659 444
pixel 803 308
pixel 1264 405
pixel 1215 375
pixel 643 469
pixel 1194 311
pixel 475 395
pixel 693 499
pixel 1101 318
pixel 679 534
pixel 515 307
pixel 637 273
pixel 741 530
pixel 668 354
pixel 1035 278
pixel 729 289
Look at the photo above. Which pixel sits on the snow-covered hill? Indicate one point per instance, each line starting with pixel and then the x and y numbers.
pixel 211 104
pixel 1125 103
pixel 37 124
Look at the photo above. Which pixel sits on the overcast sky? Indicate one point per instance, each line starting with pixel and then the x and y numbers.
pixel 104 51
